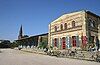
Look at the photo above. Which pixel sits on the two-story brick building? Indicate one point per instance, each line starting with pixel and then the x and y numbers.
pixel 76 29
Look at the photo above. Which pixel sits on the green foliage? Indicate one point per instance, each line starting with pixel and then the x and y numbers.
pixel 51 47
pixel 5 44
pixel 43 44
pixel 14 44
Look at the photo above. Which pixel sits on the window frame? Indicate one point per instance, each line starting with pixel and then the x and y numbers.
pixel 65 26
pixel 61 26
pixel 73 24
pixel 55 28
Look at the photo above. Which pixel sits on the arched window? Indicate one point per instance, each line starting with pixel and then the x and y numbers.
pixel 61 27
pixel 73 23
pixel 93 23
pixel 65 26
pixel 55 28
pixel 89 22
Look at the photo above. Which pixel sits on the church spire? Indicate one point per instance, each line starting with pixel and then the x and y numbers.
pixel 20 33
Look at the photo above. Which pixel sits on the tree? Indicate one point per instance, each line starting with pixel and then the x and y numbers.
pixel 13 45
pixel 5 44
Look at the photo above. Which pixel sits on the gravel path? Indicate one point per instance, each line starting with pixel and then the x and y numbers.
pixel 16 57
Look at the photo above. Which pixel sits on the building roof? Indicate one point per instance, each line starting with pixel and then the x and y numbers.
pixel 33 36
pixel 75 12
pixel 92 14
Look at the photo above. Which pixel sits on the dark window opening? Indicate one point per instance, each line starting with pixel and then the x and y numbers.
pixel 65 26
pixel 61 26
pixel 73 23
pixel 55 28
pixel 55 42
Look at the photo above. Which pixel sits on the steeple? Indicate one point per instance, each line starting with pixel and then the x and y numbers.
pixel 20 33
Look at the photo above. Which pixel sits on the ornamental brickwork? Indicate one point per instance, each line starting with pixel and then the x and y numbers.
pixel 77 29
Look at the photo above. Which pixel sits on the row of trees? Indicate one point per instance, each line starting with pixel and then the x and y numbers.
pixel 5 44
pixel 33 41
pixel 8 44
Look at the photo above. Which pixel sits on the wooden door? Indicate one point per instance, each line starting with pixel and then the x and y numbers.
pixel 74 41
pixel 63 43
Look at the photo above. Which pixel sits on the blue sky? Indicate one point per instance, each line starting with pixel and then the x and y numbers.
pixel 35 15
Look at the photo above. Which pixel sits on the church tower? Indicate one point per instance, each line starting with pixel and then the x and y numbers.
pixel 20 33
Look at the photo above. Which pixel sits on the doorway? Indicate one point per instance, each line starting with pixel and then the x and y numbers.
pixel 63 43
pixel 73 41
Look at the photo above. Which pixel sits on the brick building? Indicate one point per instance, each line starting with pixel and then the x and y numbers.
pixel 76 29
pixel 36 40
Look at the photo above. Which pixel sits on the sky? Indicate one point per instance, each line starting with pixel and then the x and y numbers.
pixel 35 15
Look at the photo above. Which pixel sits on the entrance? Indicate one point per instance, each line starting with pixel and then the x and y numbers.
pixel 84 40
pixel 55 42
pixel 63 43
pixel 74 41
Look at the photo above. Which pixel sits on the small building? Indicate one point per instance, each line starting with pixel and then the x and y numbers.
pixel 36 40
pixel 72 30
pixel 33 40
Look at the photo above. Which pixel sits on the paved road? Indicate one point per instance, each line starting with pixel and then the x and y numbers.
pixel 16 57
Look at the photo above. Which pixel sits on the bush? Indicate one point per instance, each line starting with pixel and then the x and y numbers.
pixel 43 45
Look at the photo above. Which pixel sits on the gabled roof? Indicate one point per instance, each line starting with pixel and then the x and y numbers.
pixel 71 13
pixel 66 15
